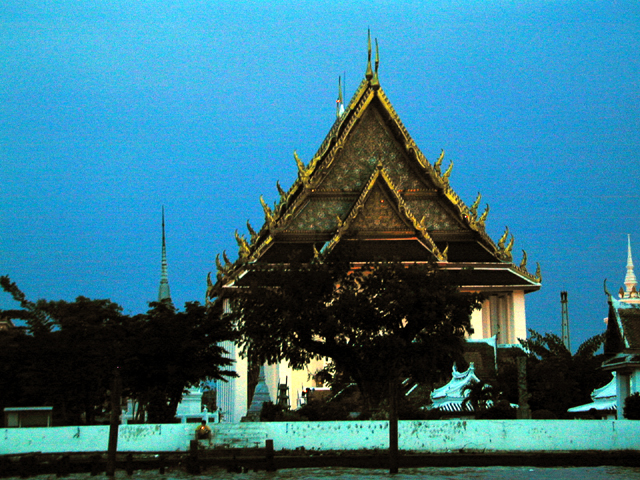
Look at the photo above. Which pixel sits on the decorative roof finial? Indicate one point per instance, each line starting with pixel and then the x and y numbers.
pixel 375 83
pixel 164 292
pixel 339 101
pixel 369 74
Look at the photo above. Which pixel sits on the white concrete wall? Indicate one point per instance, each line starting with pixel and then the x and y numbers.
pixel 133 438
pixel 432 436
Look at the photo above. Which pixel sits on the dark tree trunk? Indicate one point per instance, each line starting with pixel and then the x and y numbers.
pixel 393 425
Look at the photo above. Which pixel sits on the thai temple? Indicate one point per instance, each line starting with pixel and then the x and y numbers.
pixel 371 192
pixel 622 345
pixel 622 340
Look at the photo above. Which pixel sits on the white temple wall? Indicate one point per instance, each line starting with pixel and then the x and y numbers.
pixel 422 436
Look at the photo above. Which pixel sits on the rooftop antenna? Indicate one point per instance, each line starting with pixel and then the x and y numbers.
pixel 565 320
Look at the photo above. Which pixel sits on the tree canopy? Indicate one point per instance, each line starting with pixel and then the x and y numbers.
pixel 377 322
pixel 558 380
pixel 67 354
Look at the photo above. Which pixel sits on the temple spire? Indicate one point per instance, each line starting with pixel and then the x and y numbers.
pixel 630 281
pixel 164 293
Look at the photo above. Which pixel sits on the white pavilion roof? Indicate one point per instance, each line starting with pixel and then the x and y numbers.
pixel 603 398
pixel 450 397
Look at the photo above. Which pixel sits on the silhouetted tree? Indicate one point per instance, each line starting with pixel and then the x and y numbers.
pixel 69 351
pixel 558 380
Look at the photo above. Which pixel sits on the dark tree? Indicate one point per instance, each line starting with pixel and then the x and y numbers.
pixel 170 351
pixel 558 380
pixel 69 351
pixel 378 323
pixel 65 358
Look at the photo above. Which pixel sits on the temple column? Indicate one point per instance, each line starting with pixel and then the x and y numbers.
pixel 494 307
pixel 519 319
pixel 486 319
pixel 623 391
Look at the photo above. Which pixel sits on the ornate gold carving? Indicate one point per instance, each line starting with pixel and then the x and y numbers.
pixel 503 239
pixel 446 174
pixel 538 275
pixel 436 166
pixel 283 194
pixel 474 208
pixel 483 217
pixel 304 173
pixel 523 262
pixel 268 213
pixel 252 233
pixel 244 249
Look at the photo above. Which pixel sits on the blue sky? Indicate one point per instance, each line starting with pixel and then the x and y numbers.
pixel 108 111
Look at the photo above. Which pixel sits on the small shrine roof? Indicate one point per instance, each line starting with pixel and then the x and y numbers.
pixel 603 399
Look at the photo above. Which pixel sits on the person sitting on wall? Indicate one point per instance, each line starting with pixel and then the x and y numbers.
pixel 203 432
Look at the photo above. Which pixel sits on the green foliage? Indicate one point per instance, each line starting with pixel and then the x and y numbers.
pixel 377 323
pixel 556 379
pixel 632 407
pixel 170 351
pixel 67 357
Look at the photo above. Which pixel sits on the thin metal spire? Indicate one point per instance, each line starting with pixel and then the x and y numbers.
pixel 566 340
pixel 164 293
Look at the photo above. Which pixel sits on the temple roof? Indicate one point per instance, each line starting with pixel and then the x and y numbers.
pixel 602 399
pixel 623 327
pixel 370 191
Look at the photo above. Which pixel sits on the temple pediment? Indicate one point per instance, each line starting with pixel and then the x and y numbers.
pixel 370 191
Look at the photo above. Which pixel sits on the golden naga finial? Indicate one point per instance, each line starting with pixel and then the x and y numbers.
pixel 446 174
pixel 538 275
pixel 445 253
pixel 243 245
pixel 369 74
pixel 303 173
pixel 226 259
pixel 503 239
pixel 474 208
pixel 268 214
pixel 252 232
pixel 282 193
pixel 523 262
pixel 222 269
pixel 436 165
pixel 507 250
pixel 483 217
